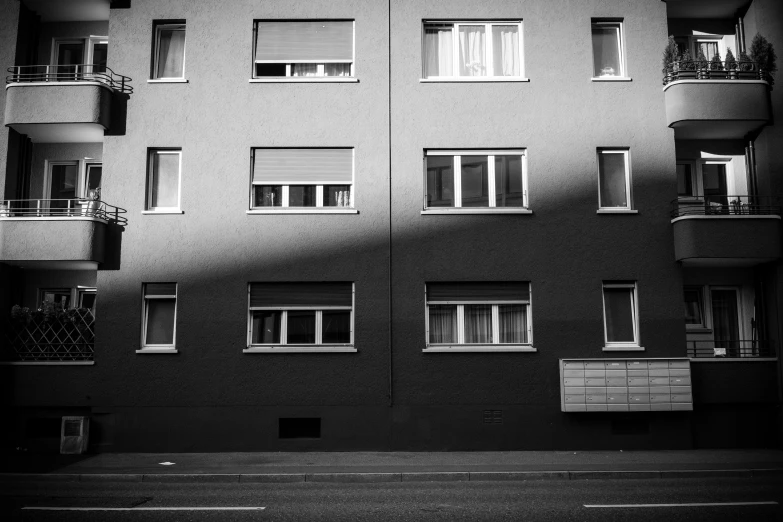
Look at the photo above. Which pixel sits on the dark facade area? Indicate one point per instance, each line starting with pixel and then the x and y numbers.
pixel 375 225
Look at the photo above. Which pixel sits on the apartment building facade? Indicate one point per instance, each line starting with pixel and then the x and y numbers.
pixel 388 225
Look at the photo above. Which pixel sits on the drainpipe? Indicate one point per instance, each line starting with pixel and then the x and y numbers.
pixel 753 186
pixel 736 38
pixel 391 282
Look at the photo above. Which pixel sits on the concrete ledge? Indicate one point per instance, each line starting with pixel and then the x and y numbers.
pixel 352 477
pixel 39 477
pixel 577 475
pixel 518 475
pixel 272 478
pixel 766 472
pixel 195 477
pixel 704 473
pixel 448 476
pixel 111 477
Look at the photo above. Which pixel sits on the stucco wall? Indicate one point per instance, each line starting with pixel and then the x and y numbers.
pixel 9 23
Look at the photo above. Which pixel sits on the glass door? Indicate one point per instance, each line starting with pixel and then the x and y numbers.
pixel 69 55
pixel 725 321
pixel 63 186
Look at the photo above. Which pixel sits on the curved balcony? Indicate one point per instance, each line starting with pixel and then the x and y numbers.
pixel 727 230
pixel 56 233
pixel 709 100
pixel 62 103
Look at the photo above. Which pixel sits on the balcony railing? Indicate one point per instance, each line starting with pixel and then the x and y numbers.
pixel 50 335
pixel 69 73
pixel 708 70
pixel 738 349
pixel 62 208
pixel 725 206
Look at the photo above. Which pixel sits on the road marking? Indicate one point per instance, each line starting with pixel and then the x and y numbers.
pixel 694 504
pixel 48 508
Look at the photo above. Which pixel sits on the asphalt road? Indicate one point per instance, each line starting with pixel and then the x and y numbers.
pixel 757 499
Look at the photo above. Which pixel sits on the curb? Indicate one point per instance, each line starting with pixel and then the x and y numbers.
pixel 449 476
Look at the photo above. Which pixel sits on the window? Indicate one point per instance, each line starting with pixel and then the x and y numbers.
pixel 60 297
pixel 65 298
pixel 300 317
pixel 621 316
pixel 608 59
pixel 476 316
pixel 304 49
pixel 614 184
pixel 475 179
pixel 159 316
pixel 302 179
pixel 168 61
pixel 686 182
pixel 467 50
pixel 77 58
pixel 163 180
pixel 694 308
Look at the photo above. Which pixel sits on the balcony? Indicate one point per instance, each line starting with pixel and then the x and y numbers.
pixel 62 103
pixel 49 335
pixel 56 233
pixel 715 103
pixel 726 230
pixel 735 349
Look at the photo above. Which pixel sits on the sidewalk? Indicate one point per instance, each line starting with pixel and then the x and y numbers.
pixel 389 466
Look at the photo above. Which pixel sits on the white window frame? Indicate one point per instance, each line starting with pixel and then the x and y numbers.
pixel 87 55
pixel 148 208
pixel 456 156
pixel 489 58
pixel 695 40
pixel 319 207
pixel 177 26
pixel 496 345
pixel 81 291
pixel 283 346
pixel 628 192
pixel 622 346
pixel 319 77
pixel 623 75
pixel 160 348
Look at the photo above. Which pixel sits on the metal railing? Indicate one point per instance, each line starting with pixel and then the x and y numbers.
pixel 738 349
pixel 62 208
pixel 69 73
pixel 708 70
pixel 725 206
pixel 62 336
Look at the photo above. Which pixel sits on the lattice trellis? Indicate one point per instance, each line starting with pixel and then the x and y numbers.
pixel 66 340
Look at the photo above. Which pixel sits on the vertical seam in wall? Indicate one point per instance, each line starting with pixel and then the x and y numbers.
pixel 391 335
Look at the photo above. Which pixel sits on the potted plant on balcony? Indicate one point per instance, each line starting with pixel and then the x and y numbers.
pixel 687 66
pixel 92 203
pixel 762 52
pixel 716 68
pixel 731 64
pixel 747 69
pixel 670 64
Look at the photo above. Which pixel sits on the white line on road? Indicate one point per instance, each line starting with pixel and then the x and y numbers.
pixel 694 504
pixel 50 508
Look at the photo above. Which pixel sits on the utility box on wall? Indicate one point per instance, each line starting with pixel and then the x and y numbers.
pixel 74 435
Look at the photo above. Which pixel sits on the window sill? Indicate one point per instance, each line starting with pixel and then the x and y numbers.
pixel 478 348
pixel 474 79
pixel 611 79
pixel 158 350
pixel 306 79
pixel 623 348
pixel 151 212
pixel 168 80
pixel 616 211
pixel 300 349
pixel 318 210
pixel 47 363
pixel 452 210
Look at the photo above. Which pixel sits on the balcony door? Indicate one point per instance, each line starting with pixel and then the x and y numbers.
pixel 68 181
pixel 725 321
pixel 78 57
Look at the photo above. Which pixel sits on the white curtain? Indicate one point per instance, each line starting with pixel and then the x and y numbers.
pixel 337 69
pixel 443 324
pixel 304 69
pixel 505 47
pixel 438 48
pixel 478 324
pixel 171 53
pixel 513 323
pixel 472 44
